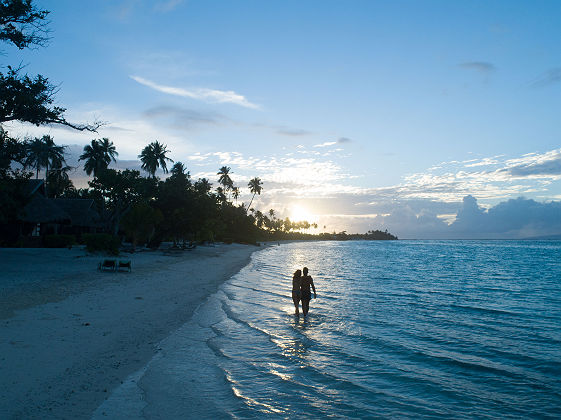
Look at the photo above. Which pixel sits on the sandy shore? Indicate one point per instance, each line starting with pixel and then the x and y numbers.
pixel 70 335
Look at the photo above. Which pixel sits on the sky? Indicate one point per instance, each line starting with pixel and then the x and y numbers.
pixel 432 119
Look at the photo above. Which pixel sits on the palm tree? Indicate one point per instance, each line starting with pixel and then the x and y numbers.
pixel 235 193
pixel 42 152
pixel 154 156
pixel 220 194
pixel 178 169
pixel 58 179
pixel 98 156
pixel 225 179
pixel 259 218
pixel 203 186
pixel 255 187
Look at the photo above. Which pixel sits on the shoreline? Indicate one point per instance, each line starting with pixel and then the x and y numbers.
pixel 71 335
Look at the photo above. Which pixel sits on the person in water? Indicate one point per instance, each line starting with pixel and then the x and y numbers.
pixel 296 284
pixel 306 294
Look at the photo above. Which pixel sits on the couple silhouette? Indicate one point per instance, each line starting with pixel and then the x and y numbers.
pixel 301 283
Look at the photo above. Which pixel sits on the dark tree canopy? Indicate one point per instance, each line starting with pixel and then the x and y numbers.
pixel 154 156
pixel 26 98
pixel 22 24
pixel 98 155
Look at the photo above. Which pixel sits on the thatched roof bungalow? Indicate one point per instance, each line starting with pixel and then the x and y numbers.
pixel 43 216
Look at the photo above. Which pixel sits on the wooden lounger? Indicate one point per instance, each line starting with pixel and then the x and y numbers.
pixel 125 265
pixel 107 265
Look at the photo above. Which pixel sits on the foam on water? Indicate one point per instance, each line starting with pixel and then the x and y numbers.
pixel 458 329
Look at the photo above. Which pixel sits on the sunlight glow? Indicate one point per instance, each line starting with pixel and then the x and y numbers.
pixel 300 214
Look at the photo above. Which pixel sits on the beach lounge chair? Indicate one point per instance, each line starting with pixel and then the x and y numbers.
pixel 191 245
pixel 107 265
pixel 125 265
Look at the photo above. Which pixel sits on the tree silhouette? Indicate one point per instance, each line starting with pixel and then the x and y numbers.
pixel 22 24
pixel 236 193
pixel 154 156
pixel 24 98
pixel 203 186
pixel 255 188
pixel 178 170
pixel 225 179
pixel 11 150
pixel 59 183
pixel 42 152
pixel 98 155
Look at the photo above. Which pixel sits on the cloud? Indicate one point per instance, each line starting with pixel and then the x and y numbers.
pixel 198 157
pixel 514 218
pixel 340 140
pixel 492 178
pixel 123 10
pixel 547 165
pixel 182 118
pixel 483 162
pixel 424 219
pixel 167 6
pixel 284 130
pixel 293 132
pixel 207 95
pixel 480 66
pixel 550 77
pixel 326 144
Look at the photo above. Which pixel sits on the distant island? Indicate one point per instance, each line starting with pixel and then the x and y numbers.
pixel 371 235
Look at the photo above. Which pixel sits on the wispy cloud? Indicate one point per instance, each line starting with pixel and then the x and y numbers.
pixel 491 178
pixel 483 162
pixel 480 66
pixel 167 6
pixel 292 132
pixel 284 130
pixel 344 140
pixel 182 118
pixel 326 144
pixel 546 165
pixel 550 77
pixel 207 95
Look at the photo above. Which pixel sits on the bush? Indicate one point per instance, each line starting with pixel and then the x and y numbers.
pixel 96 242
pixel 59 241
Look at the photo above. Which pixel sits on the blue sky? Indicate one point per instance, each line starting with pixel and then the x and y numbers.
pixel 358 114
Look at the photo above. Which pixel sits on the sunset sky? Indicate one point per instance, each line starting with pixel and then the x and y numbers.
pixel 355 114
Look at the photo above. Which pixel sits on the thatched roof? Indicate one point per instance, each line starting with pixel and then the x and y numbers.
pixel 43 210
pixel 81 210
pixel 74 211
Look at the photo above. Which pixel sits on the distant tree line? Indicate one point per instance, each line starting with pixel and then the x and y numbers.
pixel 145 209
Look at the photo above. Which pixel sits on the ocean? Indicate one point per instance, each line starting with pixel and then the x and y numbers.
pixel 400 329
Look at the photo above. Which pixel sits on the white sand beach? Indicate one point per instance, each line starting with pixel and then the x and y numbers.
pixel 70 334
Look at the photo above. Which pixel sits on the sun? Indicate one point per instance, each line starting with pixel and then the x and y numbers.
pixel 300 214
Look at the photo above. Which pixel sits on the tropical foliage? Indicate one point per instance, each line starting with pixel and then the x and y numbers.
pixel 27 98
pixel 42 153
pixel 98 155
pixel 153 157
pixel 149 210
pixel 255 187
pixel 146 210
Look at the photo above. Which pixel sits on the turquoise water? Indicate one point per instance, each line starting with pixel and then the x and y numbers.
pixel 404 329
pixel 401 329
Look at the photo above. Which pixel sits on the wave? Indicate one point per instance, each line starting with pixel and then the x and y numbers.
pixel 388 339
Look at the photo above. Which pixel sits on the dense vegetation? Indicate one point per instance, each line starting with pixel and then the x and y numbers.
pixel 143 209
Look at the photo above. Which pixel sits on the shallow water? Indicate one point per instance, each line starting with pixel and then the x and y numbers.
pixel 402 329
